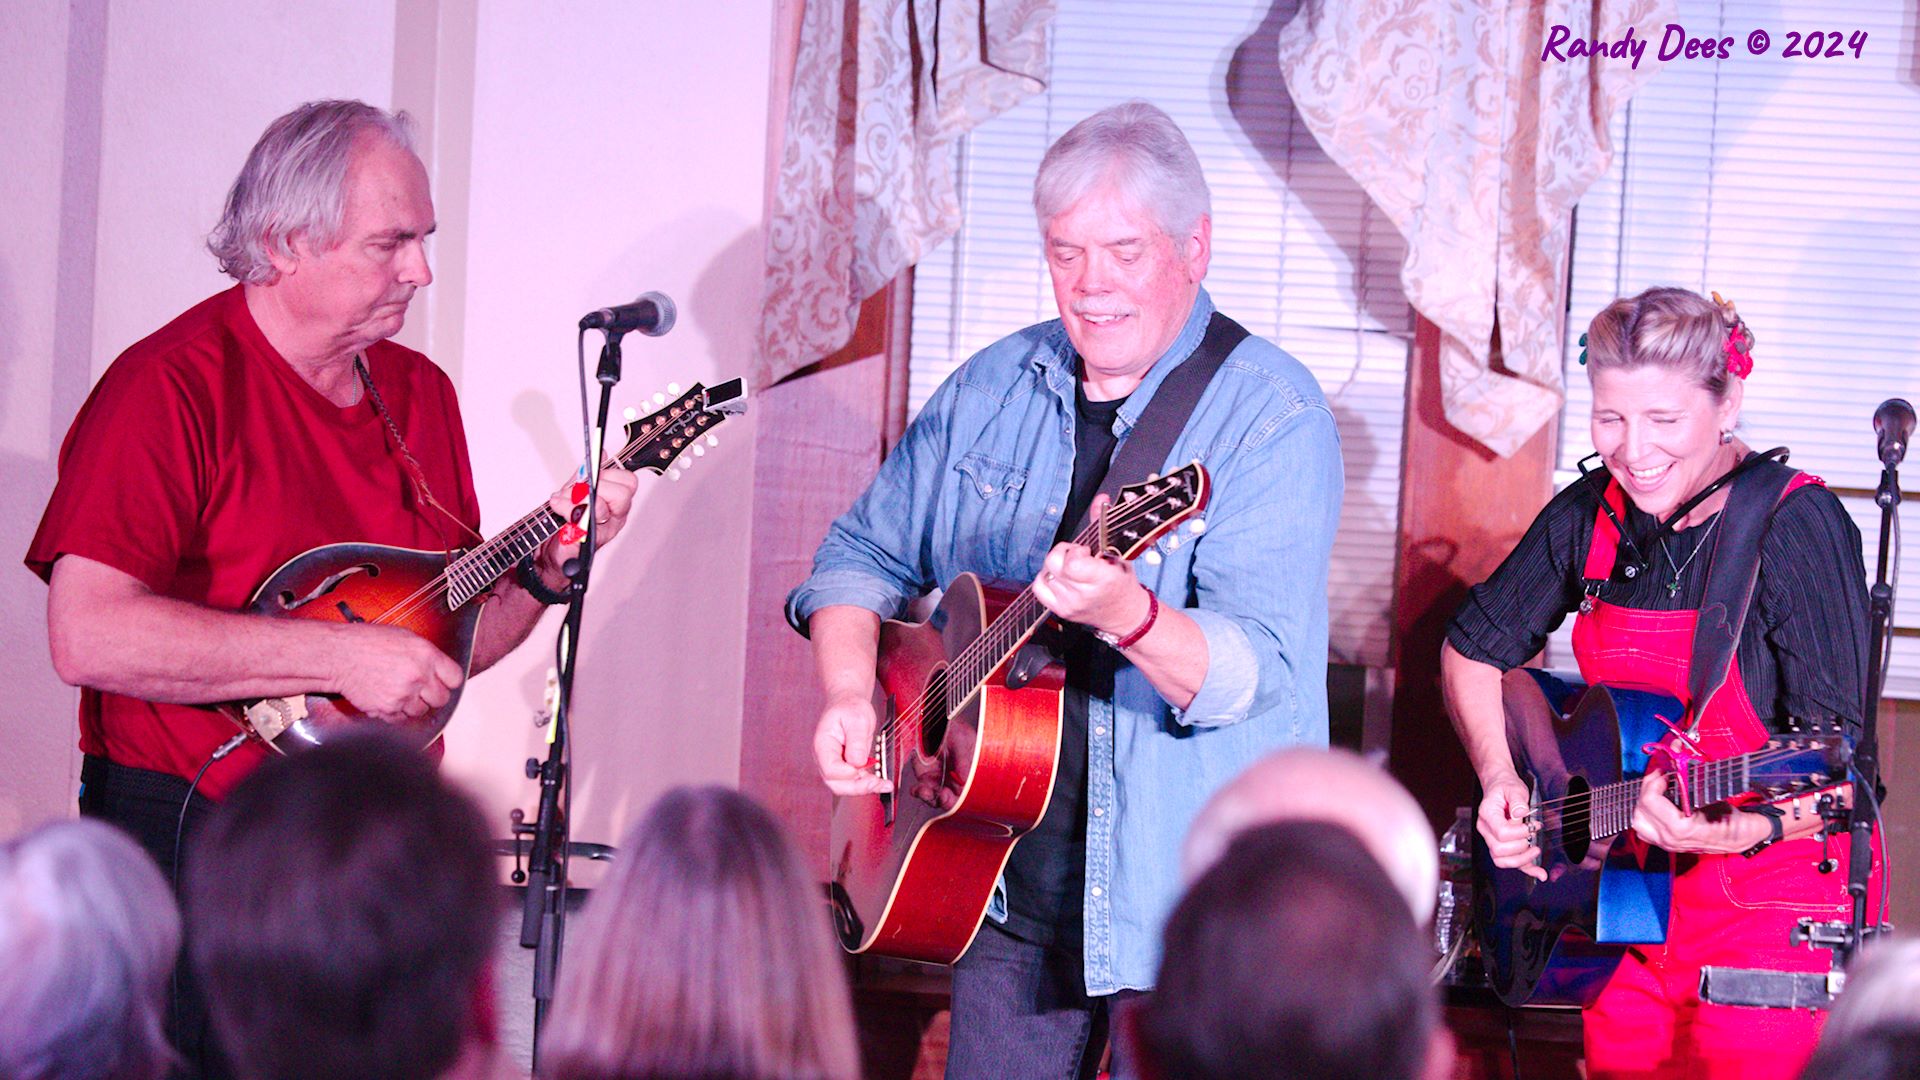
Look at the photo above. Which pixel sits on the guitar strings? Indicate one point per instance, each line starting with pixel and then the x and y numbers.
pixel 1706 771
pixel 1615 797
pixel 967 663
pixel 1023 609
pixel 431 592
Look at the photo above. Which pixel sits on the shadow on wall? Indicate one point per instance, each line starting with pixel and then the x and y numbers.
pixel 659 675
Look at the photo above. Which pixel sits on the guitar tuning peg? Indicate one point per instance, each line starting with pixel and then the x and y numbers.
pixel 713 440
pixel 1197 526
pixel 698 450
pixel 673 388
pixel 1173 542
pixel 1152 557
pixel 659 399
pixel 673 473
pixel 1153 476
pixel 630 414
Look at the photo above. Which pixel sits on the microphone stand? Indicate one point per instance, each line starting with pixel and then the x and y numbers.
pixel 1776 989
pixel 544 915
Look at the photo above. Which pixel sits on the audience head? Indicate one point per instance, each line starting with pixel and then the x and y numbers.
pixel 294 183
pixel 341 911
pixel 1292 956
pixel 88 938
pixel 1873 1032
pixel 707 952
pixel 1324 785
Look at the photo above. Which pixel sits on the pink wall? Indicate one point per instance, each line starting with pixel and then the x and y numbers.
pixel 582 153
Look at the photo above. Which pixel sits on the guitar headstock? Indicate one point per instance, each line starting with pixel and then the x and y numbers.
pixel 1809 755
pixel 657 440
pixel 1142 513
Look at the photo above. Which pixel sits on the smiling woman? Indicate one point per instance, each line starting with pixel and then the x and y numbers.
pixel 1637 551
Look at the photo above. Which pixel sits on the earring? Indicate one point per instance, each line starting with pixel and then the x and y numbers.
pixel 1726 438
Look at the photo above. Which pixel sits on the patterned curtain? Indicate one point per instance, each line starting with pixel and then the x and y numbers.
pixel 882 89
pixel 1477 149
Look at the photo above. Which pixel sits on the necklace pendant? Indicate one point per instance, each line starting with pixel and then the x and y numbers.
pixel 1673 587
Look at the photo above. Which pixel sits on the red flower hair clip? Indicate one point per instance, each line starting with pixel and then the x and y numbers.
pixel 1738 347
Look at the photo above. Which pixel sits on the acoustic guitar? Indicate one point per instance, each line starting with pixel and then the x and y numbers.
pixel 1583 754
pixel 971 759
pixel 437 595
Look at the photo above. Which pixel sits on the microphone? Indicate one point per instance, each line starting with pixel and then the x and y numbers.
pixel 652 314
pixel 1893 423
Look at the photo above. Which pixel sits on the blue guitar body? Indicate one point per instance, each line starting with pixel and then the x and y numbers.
pixel 1556 942
pixel 1582 751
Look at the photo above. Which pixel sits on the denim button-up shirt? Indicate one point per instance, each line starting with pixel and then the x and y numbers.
pixel 978 484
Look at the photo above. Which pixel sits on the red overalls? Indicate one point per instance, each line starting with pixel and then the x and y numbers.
pixel 1728 910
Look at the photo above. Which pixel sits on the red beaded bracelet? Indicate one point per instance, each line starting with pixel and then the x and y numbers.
pixel 1153 613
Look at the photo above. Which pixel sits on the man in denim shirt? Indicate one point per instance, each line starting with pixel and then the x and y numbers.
pixel 991 477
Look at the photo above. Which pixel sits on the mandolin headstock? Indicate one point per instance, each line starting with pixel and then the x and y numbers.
pixel 657 441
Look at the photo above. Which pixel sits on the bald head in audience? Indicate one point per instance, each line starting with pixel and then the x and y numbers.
pixel 1337 786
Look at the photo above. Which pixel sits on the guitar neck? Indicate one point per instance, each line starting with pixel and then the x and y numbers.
pixel 1707 783
pixel 475 572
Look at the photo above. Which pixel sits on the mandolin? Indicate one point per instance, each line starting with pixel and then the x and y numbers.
pixel 439 595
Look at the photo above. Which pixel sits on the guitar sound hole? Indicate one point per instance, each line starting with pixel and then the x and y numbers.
pixel 933 729
pixel 1575 818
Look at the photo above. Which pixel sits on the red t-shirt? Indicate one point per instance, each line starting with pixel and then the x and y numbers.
pixel 202 462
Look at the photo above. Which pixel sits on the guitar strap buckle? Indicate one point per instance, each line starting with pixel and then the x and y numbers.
pixel 1589 595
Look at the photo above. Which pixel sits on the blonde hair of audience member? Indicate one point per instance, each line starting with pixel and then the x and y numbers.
pixel 707 952
pixel 1337 786
pixel 88 938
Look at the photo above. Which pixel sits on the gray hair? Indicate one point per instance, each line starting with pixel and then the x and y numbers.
pixel 295 182
pixel 88 938
pixel 1139 148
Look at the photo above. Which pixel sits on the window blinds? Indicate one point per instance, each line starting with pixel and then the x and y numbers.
pixel 1787 184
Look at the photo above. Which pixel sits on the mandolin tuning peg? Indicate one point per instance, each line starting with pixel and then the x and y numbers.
pixel 659 399
pixel 1197 526
pixel 1152 558
pixel 698 450
pixel 630 414
pixel 713 440
pixel 673 473
pixel 1153 476
pixel 1173 542
pixel 673 388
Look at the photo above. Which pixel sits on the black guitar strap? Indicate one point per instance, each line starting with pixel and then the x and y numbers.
pixel 1143 454
pixel 1165 417
pixel 1731 577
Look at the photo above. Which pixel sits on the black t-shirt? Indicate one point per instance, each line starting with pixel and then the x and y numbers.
pixel 1802 651
pixel 1048 866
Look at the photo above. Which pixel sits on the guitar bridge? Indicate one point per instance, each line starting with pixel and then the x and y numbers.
pixel 882 768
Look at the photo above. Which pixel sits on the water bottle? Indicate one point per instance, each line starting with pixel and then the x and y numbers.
pixel 1455 905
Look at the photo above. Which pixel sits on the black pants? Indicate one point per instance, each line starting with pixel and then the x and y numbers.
pixel 147 805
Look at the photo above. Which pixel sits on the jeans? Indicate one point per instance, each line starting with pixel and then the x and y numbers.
pixel 1021 1010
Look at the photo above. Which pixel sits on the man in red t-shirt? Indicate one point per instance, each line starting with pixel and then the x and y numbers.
pixel 266 420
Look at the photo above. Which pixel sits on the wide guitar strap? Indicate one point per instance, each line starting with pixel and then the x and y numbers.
pixel 1731 577
pixel 1143 454
pixel 1165 417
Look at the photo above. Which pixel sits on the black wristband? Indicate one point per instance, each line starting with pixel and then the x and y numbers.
pixel 528 575
pixel 1773 814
